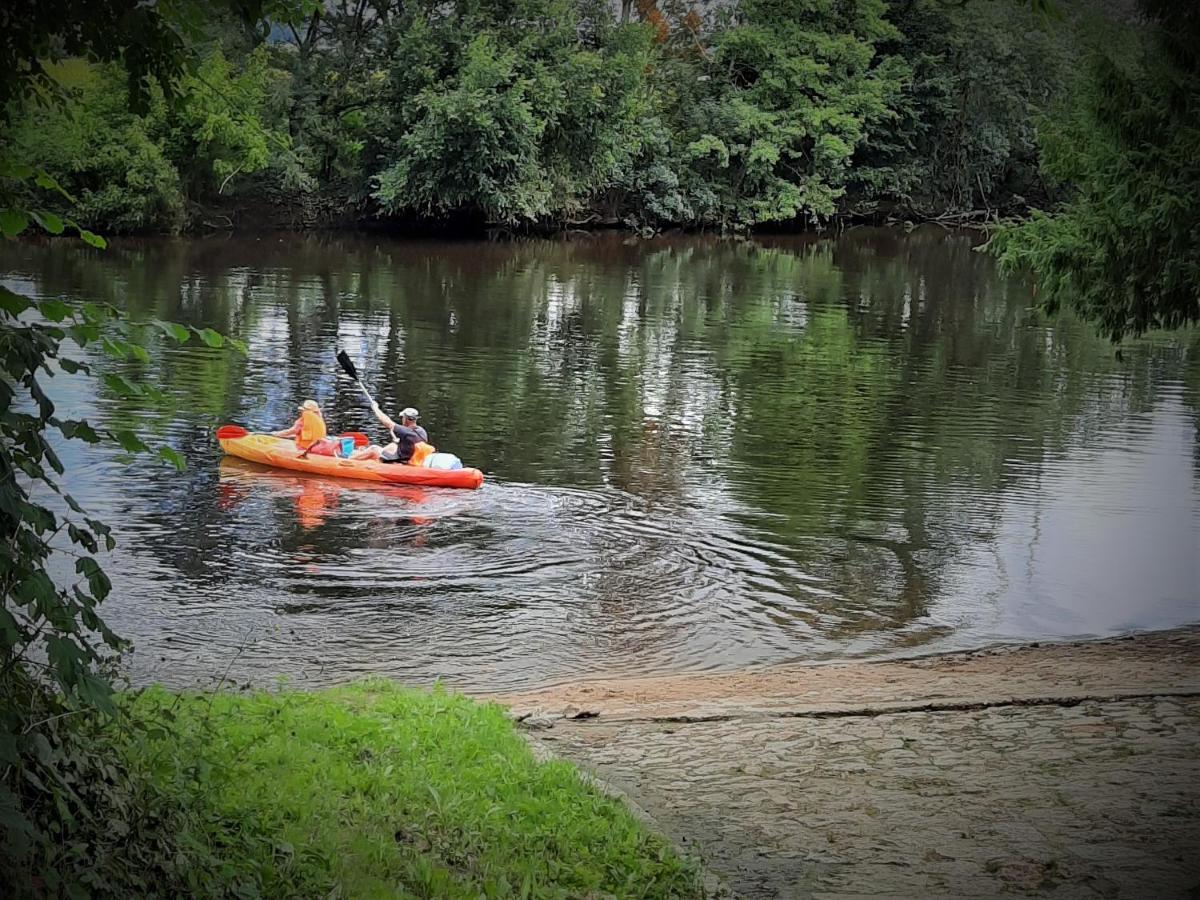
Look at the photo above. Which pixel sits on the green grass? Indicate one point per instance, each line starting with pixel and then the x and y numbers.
pixel 378 791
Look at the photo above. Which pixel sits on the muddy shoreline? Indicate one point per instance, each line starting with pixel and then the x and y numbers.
pixel 1053 770
pixel 1145 664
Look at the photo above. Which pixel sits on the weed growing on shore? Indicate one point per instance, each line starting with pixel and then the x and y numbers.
pixel 378 791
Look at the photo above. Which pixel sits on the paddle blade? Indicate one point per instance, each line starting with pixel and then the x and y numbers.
pixel 344 361
pixel 229 432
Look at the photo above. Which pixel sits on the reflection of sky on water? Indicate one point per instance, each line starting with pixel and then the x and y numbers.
pixel 701 454
pixel 1072 561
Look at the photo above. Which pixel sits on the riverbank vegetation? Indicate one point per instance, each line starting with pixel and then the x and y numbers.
pixel 551 113
pixel 1124 249
pixel 1076 119
pixel 368 791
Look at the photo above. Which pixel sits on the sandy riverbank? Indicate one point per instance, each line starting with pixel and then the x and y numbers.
pixel 1059 770
pixel 1166 662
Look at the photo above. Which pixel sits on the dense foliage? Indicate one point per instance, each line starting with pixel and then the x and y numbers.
pixel 549 112
pixel 74 820
pixel 1125 251
pixel 67 801
pixel 962 135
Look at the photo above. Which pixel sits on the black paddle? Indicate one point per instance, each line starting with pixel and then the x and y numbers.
pixel 344 361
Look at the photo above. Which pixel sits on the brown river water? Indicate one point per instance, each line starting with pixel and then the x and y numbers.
pixel 701 455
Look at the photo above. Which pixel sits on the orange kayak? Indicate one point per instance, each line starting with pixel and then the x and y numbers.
pixel 282 454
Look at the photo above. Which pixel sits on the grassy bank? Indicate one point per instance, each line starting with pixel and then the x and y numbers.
pixel 377 791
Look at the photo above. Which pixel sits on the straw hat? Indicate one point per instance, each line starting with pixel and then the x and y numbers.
pixel 309 405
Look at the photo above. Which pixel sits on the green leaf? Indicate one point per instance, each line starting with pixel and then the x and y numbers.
pixel 96 312
pixel 96 692
pixel 97 526
pixel 12 222
pixel 66 658
pixel 77 429
pixel 210 337
pixel 153 394
pixel 11 633
pixel 239 346
pixel 45 407
pixel 15 170
pixel 97 581
pixel 36 586
pixel 38 518
pixel 115 349
pixel 19 830
pixel 48 220
pixel 52 458
pixel 101 529
pixel 174 330
pixel 54 310
pixel 83 537
pixel 120 385
pixel 44 180
pixel 42 751
pixel 129 441
pixel 84 334
pixel 93 239
pixel 31 776
pixel 71 366
pixel 174 457
pixel 13 304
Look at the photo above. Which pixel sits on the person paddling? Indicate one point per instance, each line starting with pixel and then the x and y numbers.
pixel 309 431
pixel 410 444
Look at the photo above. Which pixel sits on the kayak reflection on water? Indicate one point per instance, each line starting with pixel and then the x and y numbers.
pixel 314 499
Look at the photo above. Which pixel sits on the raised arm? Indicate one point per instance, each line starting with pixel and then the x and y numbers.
pixel 382 417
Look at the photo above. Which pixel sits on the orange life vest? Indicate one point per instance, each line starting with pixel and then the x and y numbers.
pixel 312 429
pixel 421 452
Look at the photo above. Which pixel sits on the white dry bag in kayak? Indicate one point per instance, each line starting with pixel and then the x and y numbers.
pixel 443 461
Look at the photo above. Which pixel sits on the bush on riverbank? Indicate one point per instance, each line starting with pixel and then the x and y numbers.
pixel 548 113
pixel 371 790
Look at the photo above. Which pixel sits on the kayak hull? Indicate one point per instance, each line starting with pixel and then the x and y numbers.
pixel 282 454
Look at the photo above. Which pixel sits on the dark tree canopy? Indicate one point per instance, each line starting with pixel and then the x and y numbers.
pixel 1125 250
pixel 539 113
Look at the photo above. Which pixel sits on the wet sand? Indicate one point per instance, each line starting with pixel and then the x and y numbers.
pixel 1064 770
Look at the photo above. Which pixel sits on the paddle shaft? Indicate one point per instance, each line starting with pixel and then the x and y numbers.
pixel 366 393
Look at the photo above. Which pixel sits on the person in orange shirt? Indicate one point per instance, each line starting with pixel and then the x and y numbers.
pixel 309 431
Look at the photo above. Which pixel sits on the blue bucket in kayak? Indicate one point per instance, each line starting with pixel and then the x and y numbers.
pixel 346 447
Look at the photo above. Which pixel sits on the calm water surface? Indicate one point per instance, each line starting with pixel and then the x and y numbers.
pixel 701 455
